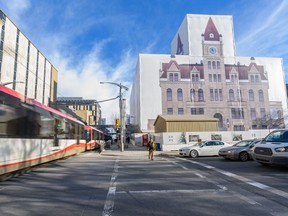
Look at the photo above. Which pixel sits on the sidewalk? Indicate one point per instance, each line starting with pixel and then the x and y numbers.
pixel 132 150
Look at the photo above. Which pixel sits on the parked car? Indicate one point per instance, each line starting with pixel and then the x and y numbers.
pixel 273 149
pixel 239 151
pixel 204 148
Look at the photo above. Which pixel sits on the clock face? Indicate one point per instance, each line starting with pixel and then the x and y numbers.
pixel 212 50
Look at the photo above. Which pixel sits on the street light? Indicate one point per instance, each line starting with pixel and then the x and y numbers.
pixel 122 117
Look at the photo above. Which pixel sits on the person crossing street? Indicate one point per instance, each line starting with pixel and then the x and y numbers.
pixel 150 147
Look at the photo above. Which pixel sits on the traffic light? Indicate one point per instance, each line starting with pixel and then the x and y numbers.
pixel 117 122
pixel 58 123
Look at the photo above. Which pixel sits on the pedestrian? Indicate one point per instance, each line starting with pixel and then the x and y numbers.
pixel 150 147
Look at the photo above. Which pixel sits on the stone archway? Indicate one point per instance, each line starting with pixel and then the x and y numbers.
pixel 220 120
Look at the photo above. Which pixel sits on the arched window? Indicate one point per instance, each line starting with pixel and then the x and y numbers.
pixel 192 95
pixel 251 95
pixel 261 95
pixel 214 65
pixel 169 94
pixel 218 64
pixel 231 95
pixel 179 95
pixel 200 95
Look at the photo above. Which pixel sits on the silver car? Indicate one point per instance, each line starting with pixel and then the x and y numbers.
pixel 273 149
pixel 240 151
pixel 205 148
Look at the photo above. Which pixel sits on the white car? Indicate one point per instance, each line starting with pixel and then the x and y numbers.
pixel 273 149
pixel 205 148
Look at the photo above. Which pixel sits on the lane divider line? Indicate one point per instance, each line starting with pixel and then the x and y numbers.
pixel 109 203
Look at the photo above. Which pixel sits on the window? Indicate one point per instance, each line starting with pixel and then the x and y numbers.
pixel 261 95
pixel 251 95
pixel 239 95
pixel 257 79
pixel 214 77
pixel 211 95
pixel 216 95
pixel 209 64
pixel 231 95
pixel 180 111
pixel 210 77
pixel 170 111
pixel 219 77
pixel 252 79
pixel 253 113
pixel 179 95
pixel 169 94
pixel 263 114
pixel 218 64
pixel 173 77
pixel 197 111
pixel 195 77
pixel 214 65
pixel 192 94
pixel 239 128
pixel 237 113
pixel 220 95
pixel 200 95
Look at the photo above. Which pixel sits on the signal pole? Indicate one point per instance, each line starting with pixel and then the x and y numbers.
pixel 122 117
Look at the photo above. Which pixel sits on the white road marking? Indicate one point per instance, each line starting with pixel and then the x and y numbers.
pixel 109 203
pixel 180 165
pixel 171 191
pixel 243 179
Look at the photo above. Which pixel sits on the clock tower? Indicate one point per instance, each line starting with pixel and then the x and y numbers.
pixel 214 73
pixel 212 41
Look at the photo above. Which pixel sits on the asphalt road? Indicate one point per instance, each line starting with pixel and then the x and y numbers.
pixel 129 184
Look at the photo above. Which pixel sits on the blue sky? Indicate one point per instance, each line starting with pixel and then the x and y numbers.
pixel 89 41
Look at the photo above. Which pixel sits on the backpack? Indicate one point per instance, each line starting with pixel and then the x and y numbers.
pixel 150 146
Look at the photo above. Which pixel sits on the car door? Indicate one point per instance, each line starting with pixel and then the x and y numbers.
pixel 207 148
pixel 218 145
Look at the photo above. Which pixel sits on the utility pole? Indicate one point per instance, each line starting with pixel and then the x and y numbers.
pixel 122 117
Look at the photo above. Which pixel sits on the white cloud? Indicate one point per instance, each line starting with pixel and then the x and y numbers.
pixel 268 34
pixel 16 8
pixel 83 79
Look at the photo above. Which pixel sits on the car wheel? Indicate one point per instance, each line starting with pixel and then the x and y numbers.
pixel 193 154
pixel 243 156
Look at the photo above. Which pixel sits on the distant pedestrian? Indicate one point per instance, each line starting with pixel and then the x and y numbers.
pixel 128 139
pixel 150 147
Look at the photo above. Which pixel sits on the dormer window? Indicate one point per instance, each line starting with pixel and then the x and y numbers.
pixel 211 35
pixel 173 77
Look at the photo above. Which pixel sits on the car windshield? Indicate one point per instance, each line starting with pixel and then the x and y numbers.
pixel 243 143
pixel 277 136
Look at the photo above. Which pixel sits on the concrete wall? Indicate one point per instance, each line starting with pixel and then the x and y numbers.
pixel 175 141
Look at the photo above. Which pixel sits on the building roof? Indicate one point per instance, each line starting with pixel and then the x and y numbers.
pixel 211 29
pixel 185 70
pixel 185 118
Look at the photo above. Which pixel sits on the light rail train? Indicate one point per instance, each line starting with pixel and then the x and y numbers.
pixel 32 133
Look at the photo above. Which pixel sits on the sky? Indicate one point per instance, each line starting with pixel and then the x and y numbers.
pixel 93 41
